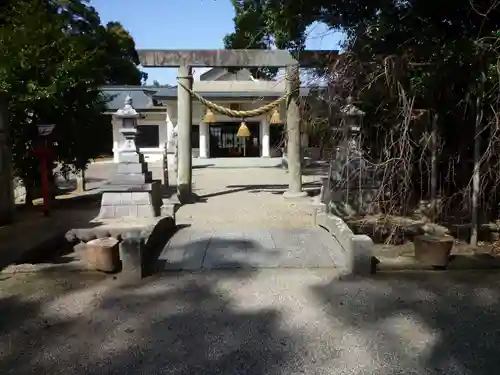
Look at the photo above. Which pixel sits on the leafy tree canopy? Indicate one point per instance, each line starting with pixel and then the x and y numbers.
pixel 54 57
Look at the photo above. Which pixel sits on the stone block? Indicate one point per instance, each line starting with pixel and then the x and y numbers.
pixel 131 158
pixel 137 178
pixel 122 211
pixel 126 168
pixel 107 212
pixel 140 197
pixel 336 226
pixel 145 210
pixel 125 198
pixel 168 209
pixel 121 186
pixel 131 256
pixel 133 211
pixel 110 199
pixel 156 197
pixel 361 255
pixel 358 249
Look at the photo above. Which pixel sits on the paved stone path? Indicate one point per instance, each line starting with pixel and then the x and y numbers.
pixel 192 249
pixel 242 198
pixel 242 220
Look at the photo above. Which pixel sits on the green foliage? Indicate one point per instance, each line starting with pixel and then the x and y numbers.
pixel 121 58
pixel 404 58
pixel 54 57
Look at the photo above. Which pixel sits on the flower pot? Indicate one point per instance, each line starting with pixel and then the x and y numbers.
pixel 102 254
pixel 433 250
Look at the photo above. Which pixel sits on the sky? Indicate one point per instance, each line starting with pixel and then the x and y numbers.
pixel 186 24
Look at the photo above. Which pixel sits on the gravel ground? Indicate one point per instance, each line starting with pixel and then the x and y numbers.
pixel 268 322
pixel 236 197
pixel 246 197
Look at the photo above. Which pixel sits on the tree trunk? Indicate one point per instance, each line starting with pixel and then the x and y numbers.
pixel 434 168
pixel 80 182
pixel 476 173
pixel 30 194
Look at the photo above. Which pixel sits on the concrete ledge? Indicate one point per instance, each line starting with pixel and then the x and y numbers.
pixel 358 249
pixel 457 262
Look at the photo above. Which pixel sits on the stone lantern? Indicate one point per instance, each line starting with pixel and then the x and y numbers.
pixel 352 117
pixel 128 116
pixel 131 192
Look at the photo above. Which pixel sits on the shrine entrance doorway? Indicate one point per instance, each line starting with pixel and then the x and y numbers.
pixel 224 142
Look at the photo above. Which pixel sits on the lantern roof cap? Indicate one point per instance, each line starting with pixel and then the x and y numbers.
pixel 128 110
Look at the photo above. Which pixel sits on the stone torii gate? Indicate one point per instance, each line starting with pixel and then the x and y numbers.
pixel 185 60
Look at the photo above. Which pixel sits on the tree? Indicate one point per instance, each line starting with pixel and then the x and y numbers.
pixel 157 84
pixel 55 56
pixel 121 56
pixel 408 62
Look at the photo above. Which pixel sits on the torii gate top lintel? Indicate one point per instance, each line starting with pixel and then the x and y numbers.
pixel 247 58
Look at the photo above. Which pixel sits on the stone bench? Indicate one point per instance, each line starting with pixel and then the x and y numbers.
pixel 141 241
pixel 358 249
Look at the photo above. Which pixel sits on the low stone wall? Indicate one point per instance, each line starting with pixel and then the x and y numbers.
pixel 139 253
pixel 358 249
pixel 141 242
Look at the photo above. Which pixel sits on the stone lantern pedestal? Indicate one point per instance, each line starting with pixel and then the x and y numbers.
pixel 131 192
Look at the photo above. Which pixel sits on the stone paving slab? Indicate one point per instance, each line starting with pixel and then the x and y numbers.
pixel 186 249
pixel 191 249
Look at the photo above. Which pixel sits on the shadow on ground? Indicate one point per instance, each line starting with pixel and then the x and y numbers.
pixel 32 238
pixel 203 166
pixel 310 187
pixel 185 323
pixel 431 322
pixel 178 324
pixel 237 253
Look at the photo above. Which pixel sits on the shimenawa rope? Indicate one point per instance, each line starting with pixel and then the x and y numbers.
pixel 231 112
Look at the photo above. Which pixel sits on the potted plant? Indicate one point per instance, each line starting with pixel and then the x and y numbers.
pixel 433 250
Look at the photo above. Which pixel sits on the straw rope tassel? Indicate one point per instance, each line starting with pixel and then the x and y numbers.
pixel 243 130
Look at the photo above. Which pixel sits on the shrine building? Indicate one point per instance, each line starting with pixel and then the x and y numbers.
pixel 236 90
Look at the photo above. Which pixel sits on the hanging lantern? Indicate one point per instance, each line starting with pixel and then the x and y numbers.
pixel 275 117
pixel 243 130
pixel 209 117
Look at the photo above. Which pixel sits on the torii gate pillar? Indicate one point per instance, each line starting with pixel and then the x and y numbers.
pixel 184 123
pixel 293 121
pixel 185 60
